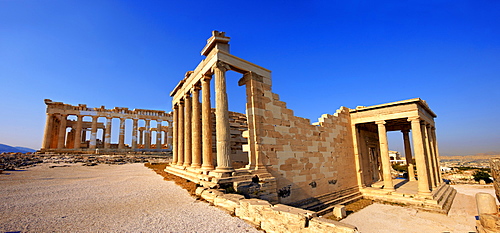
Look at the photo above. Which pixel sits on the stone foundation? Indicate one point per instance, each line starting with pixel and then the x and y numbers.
pixel 272 218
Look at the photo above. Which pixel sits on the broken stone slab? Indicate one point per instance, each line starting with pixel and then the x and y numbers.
pixel 228 202
pixel 490 222
pixel 284 218
pixel 200 190
pixel 326 225
pixel 252 210
pixel 210 195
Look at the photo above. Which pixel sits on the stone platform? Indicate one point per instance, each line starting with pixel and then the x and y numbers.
pixel 251 183
pixel 439 201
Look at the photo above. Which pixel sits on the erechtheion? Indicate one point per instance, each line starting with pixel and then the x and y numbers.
pixel 63 135
pixel 287 159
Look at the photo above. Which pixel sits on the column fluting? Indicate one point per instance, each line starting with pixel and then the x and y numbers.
pixel 408 154
pixel 196 127
pixel 418 147
pixel 384 155
pixel 187 131
pixel 206 124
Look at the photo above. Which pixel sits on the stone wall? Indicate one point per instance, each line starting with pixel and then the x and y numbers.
pixel 495 172
pixel 307 159
pixel 273 218
pixel 370 153
pixel 238 124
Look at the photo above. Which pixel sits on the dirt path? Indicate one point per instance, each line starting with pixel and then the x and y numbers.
pixel 103 198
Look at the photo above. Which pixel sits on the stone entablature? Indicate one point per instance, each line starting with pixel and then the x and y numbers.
pixel 117 112
pixel 58 139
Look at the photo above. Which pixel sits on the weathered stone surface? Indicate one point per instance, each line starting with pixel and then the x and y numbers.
pixel 490 222
pixel 228 202
pixel 200 190
pixel 210 195
pixel 56 140
pixel 253 210
pixel 339 211
pixel 327 225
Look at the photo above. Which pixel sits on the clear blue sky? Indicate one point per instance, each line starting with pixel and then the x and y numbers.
pixel 323 55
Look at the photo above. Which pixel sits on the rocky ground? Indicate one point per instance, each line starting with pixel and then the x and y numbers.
pixel 104 198
pixel 13 161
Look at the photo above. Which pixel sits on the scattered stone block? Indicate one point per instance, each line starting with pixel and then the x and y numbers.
pixel 228 202
pixel 339 211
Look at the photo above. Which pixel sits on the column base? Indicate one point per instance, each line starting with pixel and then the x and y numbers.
pixel 425 193
pixel 389 189
pixel 207 167
pixel 222 172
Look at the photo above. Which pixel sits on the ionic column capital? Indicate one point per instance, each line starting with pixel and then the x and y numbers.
pixel 206 77
pixel 196 87
pixel 382 122
pixel 220 65
pixel 414 119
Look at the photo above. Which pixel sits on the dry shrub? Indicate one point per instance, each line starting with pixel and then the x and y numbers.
pixel 185 184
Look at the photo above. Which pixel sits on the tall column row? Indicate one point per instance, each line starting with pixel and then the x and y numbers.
pixel 56 137
pixel 426 155
pixel 193 125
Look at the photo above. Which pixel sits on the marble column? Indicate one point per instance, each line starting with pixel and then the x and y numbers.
pixel 222 120
pixel 187 131
pixel 158 134
pixel 107 133
pixel 121 136
pixel 84 134
pixel 169 134
pixel 141 136
pixel 357 157
pixel 196 127
pixel 175 152
pixel 436 155
pixel 93 133
pixel 418 146
pixel 78 133
pixel 134 133
pixel 48 131
pixel 384 155
pixel 61 136
pixel 147 135
pixel 180 134
pixel 428 155
pixel 408 154
pixel 206 124
pixel 435 168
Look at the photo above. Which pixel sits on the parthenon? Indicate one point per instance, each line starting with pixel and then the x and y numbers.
pixel 83 136
pixel 342 157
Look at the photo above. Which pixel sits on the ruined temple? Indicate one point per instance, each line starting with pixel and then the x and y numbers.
pixel 282 158
pixel 65 135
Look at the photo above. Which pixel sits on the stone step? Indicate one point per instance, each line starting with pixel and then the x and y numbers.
pixel 440 189
pixel 444 195
pixel 449 201
pixel 330 208
pixel 306 204
pixel 347 199
pixel 322 205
